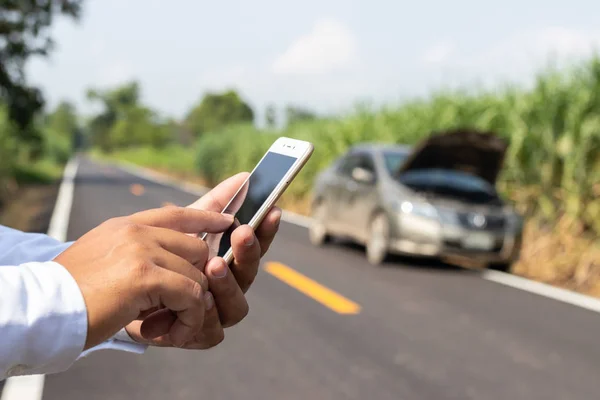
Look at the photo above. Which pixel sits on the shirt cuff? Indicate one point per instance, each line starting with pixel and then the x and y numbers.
pixel 121 341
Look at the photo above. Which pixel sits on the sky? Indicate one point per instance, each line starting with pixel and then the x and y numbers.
pixel 326 55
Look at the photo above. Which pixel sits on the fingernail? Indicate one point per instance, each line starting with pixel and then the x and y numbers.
pixel 209 300
pixel 220 270
pixel 278 214
pixel 249 241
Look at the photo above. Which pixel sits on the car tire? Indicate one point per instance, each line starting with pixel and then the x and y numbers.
pixel 502 267
pixel 378 241
pixel 317 230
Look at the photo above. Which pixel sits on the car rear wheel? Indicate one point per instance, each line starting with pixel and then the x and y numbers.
pixel 379 240
pixel 318 231
pixel 502 267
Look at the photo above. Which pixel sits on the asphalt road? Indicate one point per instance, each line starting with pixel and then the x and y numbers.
pixel 423 331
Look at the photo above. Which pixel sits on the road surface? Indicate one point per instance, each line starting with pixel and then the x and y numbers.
pixel 408 331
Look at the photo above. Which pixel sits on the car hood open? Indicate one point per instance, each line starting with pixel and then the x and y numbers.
pixel 477 153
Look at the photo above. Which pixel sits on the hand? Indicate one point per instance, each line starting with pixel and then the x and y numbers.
pixel 227 285
pixel 129 265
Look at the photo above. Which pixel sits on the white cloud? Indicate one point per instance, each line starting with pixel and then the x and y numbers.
pixel 328 47
pixel 438 53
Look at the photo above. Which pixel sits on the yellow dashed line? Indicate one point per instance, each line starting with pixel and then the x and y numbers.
pixel 136 189
pixel 312 289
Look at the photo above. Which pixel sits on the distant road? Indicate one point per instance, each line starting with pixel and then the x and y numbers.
pixel 323 324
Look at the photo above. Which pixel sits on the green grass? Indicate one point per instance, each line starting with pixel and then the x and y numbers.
pixel 175 159
pixel 43 171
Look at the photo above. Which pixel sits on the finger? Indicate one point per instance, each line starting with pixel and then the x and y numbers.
pixel 267 230
pixel 155 334
pixel 134 329
pixel 246 256
pixel 228 295
pixel 157 324
pixel 219 196
pixel 187 247
pixel 211 334
pixel 183 296
pixel 183 219
pixel 142 315
pixel 177 264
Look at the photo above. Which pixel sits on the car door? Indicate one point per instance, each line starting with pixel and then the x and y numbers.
pixel 339 193
pixel 359 195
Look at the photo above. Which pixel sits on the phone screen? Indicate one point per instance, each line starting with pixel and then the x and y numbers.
pixel 250 198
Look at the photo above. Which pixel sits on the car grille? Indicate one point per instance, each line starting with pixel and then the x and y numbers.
pixel 481 221
pixel 454 244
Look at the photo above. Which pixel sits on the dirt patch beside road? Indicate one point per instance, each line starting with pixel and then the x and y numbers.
pixel 30 208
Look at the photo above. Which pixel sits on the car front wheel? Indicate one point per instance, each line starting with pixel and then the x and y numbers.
pixel 379 240
pixel 318 231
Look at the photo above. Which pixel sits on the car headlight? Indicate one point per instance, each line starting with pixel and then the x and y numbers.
pixel 419 209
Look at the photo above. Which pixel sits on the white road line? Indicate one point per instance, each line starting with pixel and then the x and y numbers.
pixel 517 282
pixel 542 289
pixel 59 223
pixel 31 387
pixel 296 219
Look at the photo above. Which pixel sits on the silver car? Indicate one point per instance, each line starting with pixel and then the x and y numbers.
pixel 438 199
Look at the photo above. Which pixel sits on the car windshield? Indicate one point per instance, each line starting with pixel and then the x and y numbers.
pixel 393 160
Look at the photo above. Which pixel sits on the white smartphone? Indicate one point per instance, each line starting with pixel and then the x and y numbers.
pixel 261 190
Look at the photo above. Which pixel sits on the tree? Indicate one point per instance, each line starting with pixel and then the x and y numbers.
pixel 116 102
pixel 271 116
pixel 217 110
pixel 23 34
pixel 63 120
pixel 296 114
pixel 125 121
pixel 61 130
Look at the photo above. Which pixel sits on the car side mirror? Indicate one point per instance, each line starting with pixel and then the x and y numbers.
pixel 363 175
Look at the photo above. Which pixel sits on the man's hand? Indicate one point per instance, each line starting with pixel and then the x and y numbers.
pixel 227 285
pixel 130 265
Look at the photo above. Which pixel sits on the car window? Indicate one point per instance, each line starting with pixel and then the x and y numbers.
pixel 346 166
pixel 356 160
pixel 366 162
pixel 393 160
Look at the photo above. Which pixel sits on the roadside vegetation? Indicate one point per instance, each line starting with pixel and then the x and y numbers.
pixel 35 142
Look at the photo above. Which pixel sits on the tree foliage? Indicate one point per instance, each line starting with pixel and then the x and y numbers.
pixel 24 33
pixel 295 114
pixel 63 119
pixel 124 121
pixel 217 110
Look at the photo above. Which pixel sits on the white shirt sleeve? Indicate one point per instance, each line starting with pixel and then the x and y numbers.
pixel 43 318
